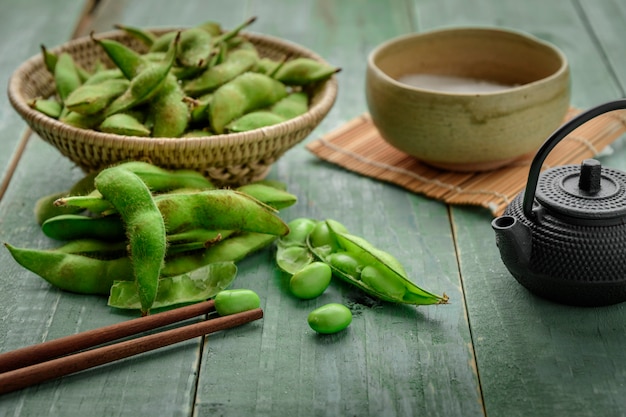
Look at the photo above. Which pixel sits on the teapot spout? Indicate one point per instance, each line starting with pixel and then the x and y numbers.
pixel 513 240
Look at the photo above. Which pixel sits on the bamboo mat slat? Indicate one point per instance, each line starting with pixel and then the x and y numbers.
pixel 357 146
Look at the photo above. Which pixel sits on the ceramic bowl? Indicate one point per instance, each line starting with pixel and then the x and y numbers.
pixel 467 99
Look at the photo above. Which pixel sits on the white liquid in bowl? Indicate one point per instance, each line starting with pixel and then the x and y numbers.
pixel 451 84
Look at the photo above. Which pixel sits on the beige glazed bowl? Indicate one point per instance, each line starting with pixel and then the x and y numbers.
pixel 467 99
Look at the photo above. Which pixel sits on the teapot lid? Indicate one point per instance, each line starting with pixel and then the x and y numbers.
pixel 587 191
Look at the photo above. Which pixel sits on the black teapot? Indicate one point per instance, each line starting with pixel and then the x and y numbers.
pixel 564 237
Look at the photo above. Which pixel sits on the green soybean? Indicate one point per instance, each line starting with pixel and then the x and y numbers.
pixel 330 318
pixel 310 281
pixel 236 301
pixel 299 229
pixel 345 263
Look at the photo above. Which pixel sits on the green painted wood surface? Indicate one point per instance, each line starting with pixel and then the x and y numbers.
pixel 24 25
pixel 533 357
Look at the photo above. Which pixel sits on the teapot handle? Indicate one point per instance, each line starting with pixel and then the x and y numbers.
pixel 550 143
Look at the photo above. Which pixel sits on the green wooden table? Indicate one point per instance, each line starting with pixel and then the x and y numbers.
pixel 495 350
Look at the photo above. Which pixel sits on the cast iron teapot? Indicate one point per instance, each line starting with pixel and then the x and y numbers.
pixel 564 237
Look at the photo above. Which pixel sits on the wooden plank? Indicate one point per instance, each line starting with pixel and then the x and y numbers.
pixel 536 357
pixel 394 360
pixel 25 25
pixel 607 24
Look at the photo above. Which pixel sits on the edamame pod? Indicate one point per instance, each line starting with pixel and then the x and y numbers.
pixel 72 272
pixel 168 110
pixel 237 62
pixel 219 209
pixel 249 91
pixel 271 196
pixel 144 225
pixel 146 37
pixel 49 107
pixel 76 226
pixel 126 59
pixel 145 84
pixel 195 47
pixel 303 71
pixel 89 99
pixel 384 278
pixel 295 104
pixel 194 286
pixel 292 253
pixel 124 124
pixel 232 248
pixel 66 75
pixel 254 120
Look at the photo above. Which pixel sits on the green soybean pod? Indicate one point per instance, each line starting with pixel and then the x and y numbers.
pixel 303 71
pixel 295 104
pixel 310 281
pixel 254 120
pixel 144 225
pixel 236 301
pixel 169 111
pixel 330 318
pixel 49 107
pixel 123 124
pixel 66 75
pixel 247 92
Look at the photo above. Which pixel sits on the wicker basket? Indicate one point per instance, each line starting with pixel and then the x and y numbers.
pixel 228 159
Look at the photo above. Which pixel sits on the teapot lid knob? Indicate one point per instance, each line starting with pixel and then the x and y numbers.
pixel 590 178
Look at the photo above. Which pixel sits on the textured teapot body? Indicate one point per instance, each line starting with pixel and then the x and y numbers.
pixel 572 264
pixel 564 237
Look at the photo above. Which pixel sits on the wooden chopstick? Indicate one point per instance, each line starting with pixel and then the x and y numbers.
pixel 58 347
pixel 40 371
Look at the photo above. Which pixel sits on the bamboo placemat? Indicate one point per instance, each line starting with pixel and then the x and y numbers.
pixel 357 146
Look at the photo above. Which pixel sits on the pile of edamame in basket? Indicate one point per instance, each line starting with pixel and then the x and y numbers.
pixel 153 238
pixel 199 81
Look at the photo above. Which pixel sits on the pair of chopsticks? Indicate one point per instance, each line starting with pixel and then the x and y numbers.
pixel 55 358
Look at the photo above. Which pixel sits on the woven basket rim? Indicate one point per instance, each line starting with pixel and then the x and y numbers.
pixel 316 112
